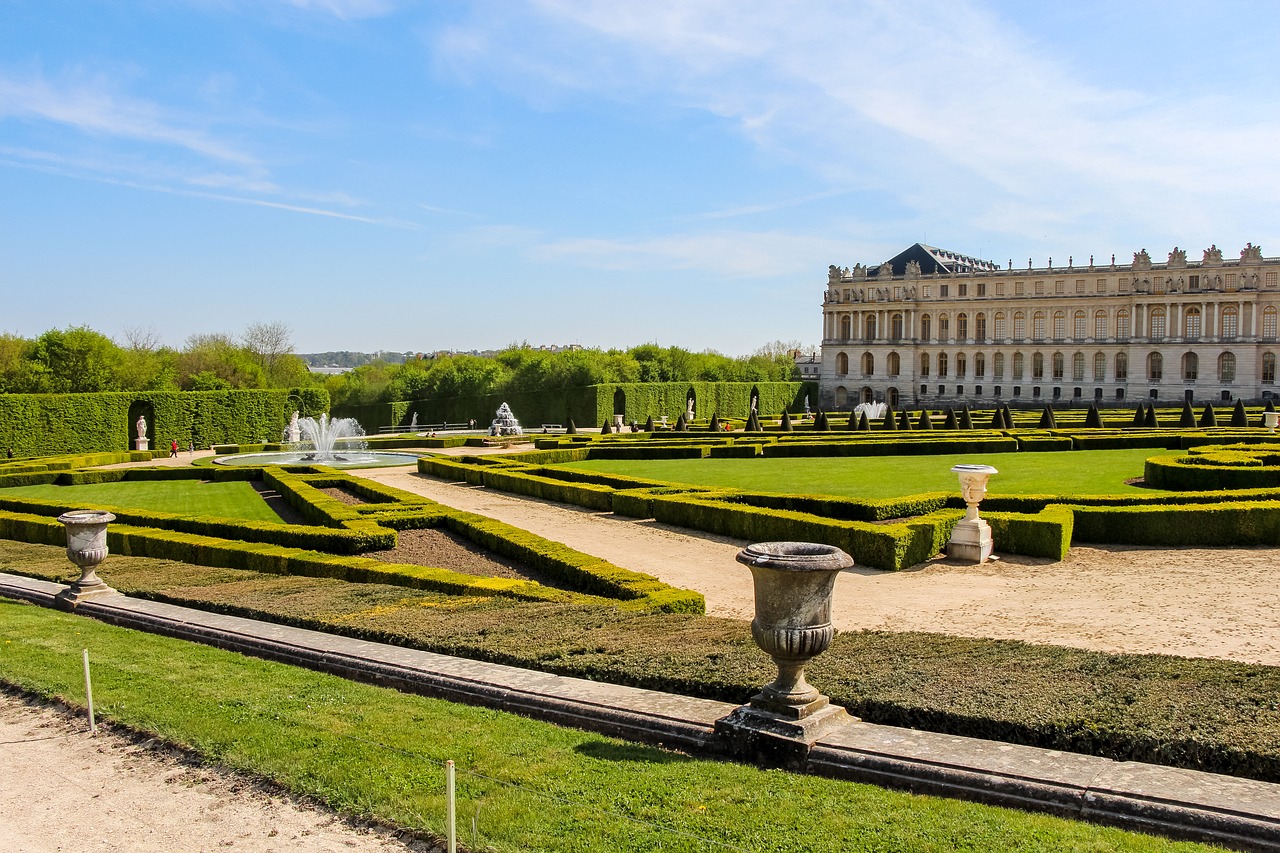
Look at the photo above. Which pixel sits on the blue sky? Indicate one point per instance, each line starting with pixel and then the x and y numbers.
pixel 459 175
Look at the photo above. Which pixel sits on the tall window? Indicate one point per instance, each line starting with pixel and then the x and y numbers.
pixel 1079 323
pixel 1077 367
pixel 979 366
pixel 842 364
pixel 980 327
pixel 1155 367
pixel 1059 365
pixel 1100 325
pixel 846 328
pixel 961 365
pixel 1227 367
pixel 870 328
pixel 1019 326
pixel 1269 368
pixel 926 326
pixel 1059 325
pixel 868 364
pixel 1190 367
pixel 942 365
pixel 1230 322
pixel 1037 366
pixel 924 364
pixel 1037 326
pixel 1000 326
pixel 997 365
pixel 1099 366
pixel 1157 323
pixel 1017 366
pixel 1122 324
pixel 962 326
pixel 895 326
pixel 1193 324
pixel 944 328
pixel 1269 321
pixel 1122 366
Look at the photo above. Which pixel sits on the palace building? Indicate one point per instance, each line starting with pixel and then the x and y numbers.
pixel 935 328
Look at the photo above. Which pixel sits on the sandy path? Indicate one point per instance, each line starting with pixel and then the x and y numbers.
pixel 62 789
pixel 1193 602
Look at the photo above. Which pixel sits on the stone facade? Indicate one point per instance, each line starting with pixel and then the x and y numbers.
pixel 1112 333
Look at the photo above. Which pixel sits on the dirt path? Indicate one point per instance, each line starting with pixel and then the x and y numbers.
pixel 62 789
pixel 1216 603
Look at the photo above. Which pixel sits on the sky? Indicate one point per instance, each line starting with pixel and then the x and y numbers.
pixel 453 175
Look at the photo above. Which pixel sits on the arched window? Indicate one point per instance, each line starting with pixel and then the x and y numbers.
pixel 962 365
pixel 842 364
pixel 1230 322
pixel 1155 367
pixel 1099 366
pixel 842 395
pixel 895 326
pixel 1227 367
pixel 1192 323
pixel 868 364
pixel 944 328
pixel 1037 365
pixel 1017 366
pixel 1001 329
pixel 1037 326
pixel 1077 366
pixel 1269 321
pixel 942 365
pixel 962 326
pixel 1019 326
pixel 1079 321
pixel 1059 325
pixel 1059 365
pixel 980 327
pixel 1122 324
pixel 924 364
pixel 846 326
pixel 1269 368
pixel 1100 325
pixel 979 366
pixel 1190 367
pixel 1157 323
pixel 926 327
pixel 870 329
pixel 1122 366
pixel 893 364
pixel 997 365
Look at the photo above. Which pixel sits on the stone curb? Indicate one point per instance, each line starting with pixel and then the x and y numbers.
pixel 1240 813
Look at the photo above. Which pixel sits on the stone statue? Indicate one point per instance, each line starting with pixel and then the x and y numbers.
pixel 913 269
pixel 1212 255
pixel 141 442
pixel 806 405
pixel 294 432
pixel 1178 257
pixel 1251 253
pixel 688 415
pixel 1141 260
pixel 141 426
pixel 833 274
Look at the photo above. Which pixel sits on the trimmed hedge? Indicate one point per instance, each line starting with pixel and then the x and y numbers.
pixel 1221 524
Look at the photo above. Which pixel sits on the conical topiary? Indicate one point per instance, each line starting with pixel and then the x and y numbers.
pixel 786 422
pixel 889 422
pixel 864 425
pixel 714 426
pixel 681 423
pixel 904 420
pixel 1150 419
pixel 925 422
pixel 966 419
pixel 1047 420
pixel 852 425
pixel 753 422
pixel 950 421
pixel 648 424
pixel 573 428
pixel 606 428
pixel 1093 420
pixel 1139 416
pixel 1188 419
pixel 1238 417
pixel 1270 407
pixel 1207 418
pixel 822 423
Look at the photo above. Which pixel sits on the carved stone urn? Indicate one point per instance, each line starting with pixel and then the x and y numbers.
pixel 971 538
pixel 87 548
pixel 793 584
pixel 1270 420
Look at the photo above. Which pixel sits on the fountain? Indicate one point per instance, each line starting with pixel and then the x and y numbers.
pixel 873 411
pixel 337 442
pixel 505 423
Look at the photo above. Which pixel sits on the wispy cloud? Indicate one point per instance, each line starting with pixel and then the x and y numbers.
pixel 347 10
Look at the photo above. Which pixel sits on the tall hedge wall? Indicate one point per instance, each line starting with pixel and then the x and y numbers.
pixel 591 405
pixel 44 424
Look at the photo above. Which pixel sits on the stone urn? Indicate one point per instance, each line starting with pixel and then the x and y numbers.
pixel 86 547
pixel 1270 420
pixel 971 538
pixel 793 584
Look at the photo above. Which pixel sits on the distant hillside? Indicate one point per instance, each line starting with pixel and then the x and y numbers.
pixel 349 359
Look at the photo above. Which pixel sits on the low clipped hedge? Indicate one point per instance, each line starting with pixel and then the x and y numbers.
pixel 1219 468
pixel 1208 525
pixel 1048 533
pixel 966 443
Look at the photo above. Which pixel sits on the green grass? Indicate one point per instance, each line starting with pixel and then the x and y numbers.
pixel 530 786
pixel 186 497
pixel 1080 472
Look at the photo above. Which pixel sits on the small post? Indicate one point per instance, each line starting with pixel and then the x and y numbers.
pixel 450 809
pixel 88 693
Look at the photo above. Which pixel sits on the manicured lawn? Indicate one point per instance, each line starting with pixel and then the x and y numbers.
pixel 528 786
pixel 187 497
pixel 1079 472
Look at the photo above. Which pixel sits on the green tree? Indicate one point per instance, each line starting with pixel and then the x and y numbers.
pixel 77 360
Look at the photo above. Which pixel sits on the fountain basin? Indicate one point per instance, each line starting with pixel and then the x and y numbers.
pixel 339 459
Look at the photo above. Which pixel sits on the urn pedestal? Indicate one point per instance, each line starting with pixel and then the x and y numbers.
pixel 142 444
pixel 971 538
pixel 793 584
pixel 1270 420
pixel 86 547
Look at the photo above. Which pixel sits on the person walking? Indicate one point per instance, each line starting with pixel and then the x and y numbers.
pixel 173 449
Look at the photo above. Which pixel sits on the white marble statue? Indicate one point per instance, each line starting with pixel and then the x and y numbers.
pixel 294 431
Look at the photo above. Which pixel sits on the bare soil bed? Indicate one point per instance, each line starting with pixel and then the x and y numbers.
pixel 441 549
